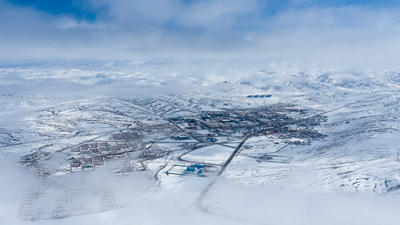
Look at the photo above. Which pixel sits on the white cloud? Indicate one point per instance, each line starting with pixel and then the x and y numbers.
pixel 66 22
pixel 216 13
pixel 204 29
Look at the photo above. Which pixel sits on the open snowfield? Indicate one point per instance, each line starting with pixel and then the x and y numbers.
pixel 209 155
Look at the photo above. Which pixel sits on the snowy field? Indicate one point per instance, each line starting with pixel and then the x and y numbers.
pixel 215 154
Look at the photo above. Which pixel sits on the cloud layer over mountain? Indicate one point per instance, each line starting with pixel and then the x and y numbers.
pixel 292 30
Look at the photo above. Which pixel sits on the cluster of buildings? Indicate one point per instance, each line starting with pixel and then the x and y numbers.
pixel 212 125
pixel 232 122
pixel 194 169
pixel 91 155
pixel 30 158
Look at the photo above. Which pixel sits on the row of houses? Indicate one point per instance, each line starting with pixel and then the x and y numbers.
pixel 228 125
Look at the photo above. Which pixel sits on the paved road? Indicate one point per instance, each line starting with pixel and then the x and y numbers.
pixel 195 162
pixel 199 199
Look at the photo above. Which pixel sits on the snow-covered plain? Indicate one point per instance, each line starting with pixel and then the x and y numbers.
pixel 353 170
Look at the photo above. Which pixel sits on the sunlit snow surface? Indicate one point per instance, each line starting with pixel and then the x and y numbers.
pixel 353 170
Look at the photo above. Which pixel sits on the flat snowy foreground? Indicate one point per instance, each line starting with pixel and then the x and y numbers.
pixel 229 202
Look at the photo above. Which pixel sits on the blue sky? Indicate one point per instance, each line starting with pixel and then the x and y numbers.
pixel 68 7
pixel 123 29
pixel 82 9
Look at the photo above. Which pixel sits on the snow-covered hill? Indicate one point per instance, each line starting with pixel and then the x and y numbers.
pixel 355 151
